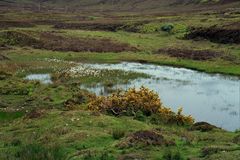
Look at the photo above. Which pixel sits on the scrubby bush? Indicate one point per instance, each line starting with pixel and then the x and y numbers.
pixel 167 28
pixel 130 102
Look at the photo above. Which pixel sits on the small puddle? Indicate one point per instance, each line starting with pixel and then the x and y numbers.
pixel 43 78
pixel 213 98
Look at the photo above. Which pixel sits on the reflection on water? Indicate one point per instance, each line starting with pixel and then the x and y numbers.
pixel 211 98
pixel 43 78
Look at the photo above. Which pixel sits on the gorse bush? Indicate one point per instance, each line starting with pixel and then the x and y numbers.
pixel 168 116
pixel 130 102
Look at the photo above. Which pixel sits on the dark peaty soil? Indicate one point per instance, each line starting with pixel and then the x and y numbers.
pixel 59 43
pixel 90 26
pixel 145 138
pixel 190 54
pixel 7 24
pixel 102 26
pixel 216 34
pixel 51 41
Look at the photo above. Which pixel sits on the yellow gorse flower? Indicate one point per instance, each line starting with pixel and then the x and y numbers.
pixel 134 100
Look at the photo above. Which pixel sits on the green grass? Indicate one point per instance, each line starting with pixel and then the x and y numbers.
pixel 8 116
pixel 79 132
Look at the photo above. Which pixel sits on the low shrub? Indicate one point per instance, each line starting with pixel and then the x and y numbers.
pixel 167 28
pixel 132 101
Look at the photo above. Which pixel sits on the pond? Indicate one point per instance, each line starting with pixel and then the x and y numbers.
pixel 43 78
pixel 213 98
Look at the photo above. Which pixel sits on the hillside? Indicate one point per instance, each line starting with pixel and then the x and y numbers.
pixel 118 5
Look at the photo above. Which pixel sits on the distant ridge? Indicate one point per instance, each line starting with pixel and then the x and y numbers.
pixel 117 5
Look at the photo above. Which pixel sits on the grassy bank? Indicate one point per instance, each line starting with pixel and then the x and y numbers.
pixel 81 135
pixel 211 66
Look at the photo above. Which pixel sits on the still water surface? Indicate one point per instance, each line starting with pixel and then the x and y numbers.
pixel 44 78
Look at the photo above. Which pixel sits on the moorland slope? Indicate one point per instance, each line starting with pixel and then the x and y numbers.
pixel 119 5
